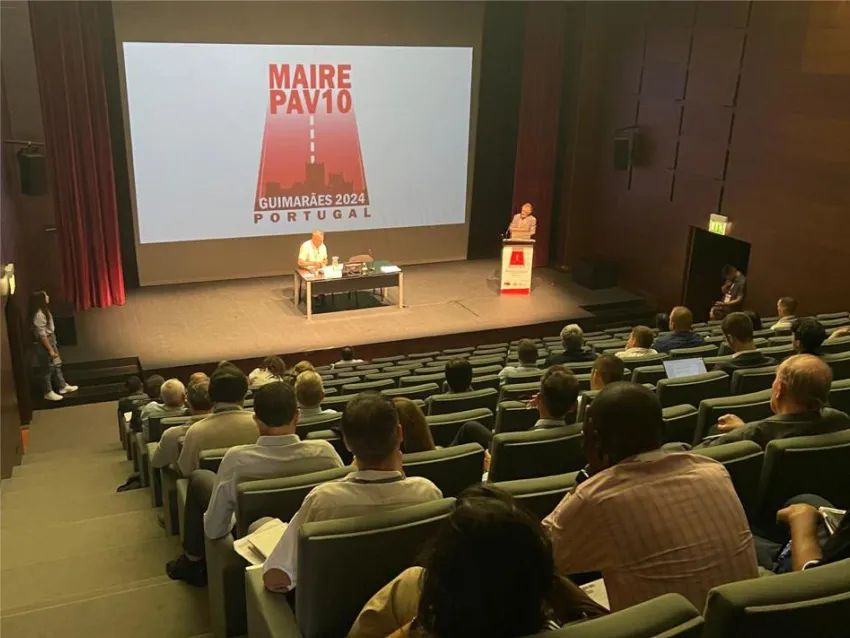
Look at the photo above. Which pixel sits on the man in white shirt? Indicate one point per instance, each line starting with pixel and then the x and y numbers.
pixel 527 355
pixel 310 392
pixel 524 221
pixel 277 452
pixel 372 433
pixel 313 253
pixel 639 344
pixel 786 309
pixel 172 402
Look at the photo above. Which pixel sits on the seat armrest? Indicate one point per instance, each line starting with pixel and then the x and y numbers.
pixel 154 477
pixel 182 487
pixel 269 615
pixel 226 587
pixel 144 459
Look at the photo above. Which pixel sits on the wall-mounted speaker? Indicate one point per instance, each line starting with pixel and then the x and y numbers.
pixel 624 146
pixel 32 168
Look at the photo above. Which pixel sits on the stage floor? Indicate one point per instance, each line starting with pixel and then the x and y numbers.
pixel 183 324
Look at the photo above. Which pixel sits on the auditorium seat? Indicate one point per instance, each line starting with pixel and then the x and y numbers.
pixel 680 423
pixel 392 359
pixel 422 391
pixel 710 362
pixel 692 389
pixel 748 380
pixel 337 402
pixel 309 424
pixel 458 351
pixel 826 316
pixel 395 375
pixel 749 407
pixel 334 437
pixel 648 374
pixel 486 381
pixel 540 495
pixel 525 376
pixel 419 379
pixel 841 344
pixel 802 604
pixel 514 416
pixel 444 427
pixel 365 386
pixel 423 355
pixel 743 460
pixel 255 499
pixel 839 395
pixel 518 391
pixel 480 371
pixel 338 383
pixel 366 367
pixel 452 469
pixel 779 341
pixel 478 362
pixel 583 402
pixel 840 364
pixel 780 353
pixel 804 465
pixel 211 459
pixel 835 323
pixel 580 367
pixel 521 455
pixel 460 401
pixel 707 350
pixel 607 344
pixel 376 547
pixel 667 616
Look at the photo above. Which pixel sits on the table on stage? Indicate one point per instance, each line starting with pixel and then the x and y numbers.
pixel 318 284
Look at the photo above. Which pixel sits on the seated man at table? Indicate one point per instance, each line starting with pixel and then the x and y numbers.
pixel 313 253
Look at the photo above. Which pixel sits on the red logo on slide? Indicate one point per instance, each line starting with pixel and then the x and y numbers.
pixel 517 258
pixel 311 155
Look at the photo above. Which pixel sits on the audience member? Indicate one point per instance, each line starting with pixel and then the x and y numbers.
pixel 298 368
pixel 639 344
pixel 198 377
pixel 310 392
pixel 556 397
pixel 227 426
pixel 136 396
pixel 738 331
pixel 681 321
pixel 459 376
pixel 717 313
pixel 650 521
pixel 172 403
pixel 843 331
pixel 807 335
pixel 273 369
pixel 755 318
pixel 572 338
pixel 808 541
pixel 416 435
pixel 198 399
pixel 606 369
pixel 153 386
pixel 371 431
pixel 527 354
pixel 662 322
pixel 798 399
pixel 348 357
pixel 211 497
pixel 462 591
pixel 786 310
pixel 734 289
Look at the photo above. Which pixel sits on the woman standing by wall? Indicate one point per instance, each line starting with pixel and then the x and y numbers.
pixel 49 362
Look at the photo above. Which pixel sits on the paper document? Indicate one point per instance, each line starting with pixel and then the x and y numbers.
pixel 597 592
pixel 128 416
pixel 256 547
pixel 389 269
pixel 831 517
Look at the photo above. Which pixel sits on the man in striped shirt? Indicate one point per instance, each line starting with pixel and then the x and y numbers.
pixel 650 521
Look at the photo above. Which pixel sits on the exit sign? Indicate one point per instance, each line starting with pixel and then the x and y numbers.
pixel 718 224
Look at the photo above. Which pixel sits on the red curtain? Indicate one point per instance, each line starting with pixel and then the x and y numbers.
pixel 67 39
pixel 537 139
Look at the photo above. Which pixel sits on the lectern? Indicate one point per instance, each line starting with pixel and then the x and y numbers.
pixel 517 258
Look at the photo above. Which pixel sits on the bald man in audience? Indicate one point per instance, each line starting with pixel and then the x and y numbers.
pixel 798 399
pixel 639 344
pixel 682 336
pixel 172 403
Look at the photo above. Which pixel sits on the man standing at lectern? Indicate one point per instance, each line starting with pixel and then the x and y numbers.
pixel 524 222
pixel 313 253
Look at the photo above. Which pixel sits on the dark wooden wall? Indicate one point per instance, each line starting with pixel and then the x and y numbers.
pixel 743 109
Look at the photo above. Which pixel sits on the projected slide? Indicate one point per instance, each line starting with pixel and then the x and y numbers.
pixel 237 140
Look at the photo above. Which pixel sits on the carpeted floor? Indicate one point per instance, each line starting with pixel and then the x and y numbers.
pixel 77 559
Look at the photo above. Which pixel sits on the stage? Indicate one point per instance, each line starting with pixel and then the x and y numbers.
pixel 185 324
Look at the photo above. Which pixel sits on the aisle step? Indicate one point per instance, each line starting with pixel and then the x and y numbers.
pixel 22 510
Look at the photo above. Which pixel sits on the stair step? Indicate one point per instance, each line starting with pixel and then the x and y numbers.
pixel 163 609
pixel 91 477
pixel 75 578
pixel 96 393
pixel 83 464
pixel 102 453
pixel 35 544
pixel 23 510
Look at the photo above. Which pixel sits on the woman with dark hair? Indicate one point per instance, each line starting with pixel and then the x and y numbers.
pixel 47 352
pixel 298 368
pixel 755 318
pixel 489 572
pixel 416 435
pixel 273 369
pixel 662 322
